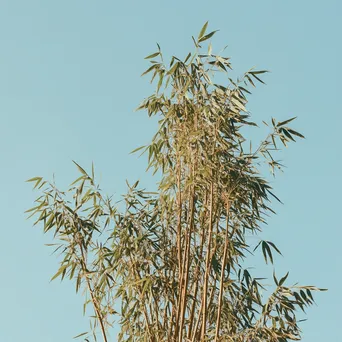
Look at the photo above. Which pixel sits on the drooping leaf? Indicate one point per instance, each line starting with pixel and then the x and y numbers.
pixel 80 169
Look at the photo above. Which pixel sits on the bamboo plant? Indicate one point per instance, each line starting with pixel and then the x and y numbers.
pixel 171 265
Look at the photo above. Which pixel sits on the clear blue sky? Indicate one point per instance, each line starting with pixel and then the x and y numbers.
pixel 69 83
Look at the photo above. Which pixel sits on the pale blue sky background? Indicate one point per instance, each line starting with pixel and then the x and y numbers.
pixel 69 82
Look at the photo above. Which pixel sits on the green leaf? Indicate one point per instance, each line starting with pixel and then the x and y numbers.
pixel 257 78
pixel 259 72
pixel 92 170
pixel 37 180
pixel 31 209
pixel 238 104
pixel 256 247
pixel 59 272
pixel 275 279
pixel 266 250
pixel 161 78
pixel 263 248
pixel 173 69
pixel 77 180
pixel 187 57
pixel 282 123
pixel 295 133
pixel 34 179
pixel 282 280
pixel 194 40
pixel 287 134
pixel 203 29
pixel 250 81
pixel 153 55
pixel 149 69
pixel 137 149
pixel 273 195
pixel 80 169
pixel 274 246
pixel 209 35
pixel 210 49
pixel 85 333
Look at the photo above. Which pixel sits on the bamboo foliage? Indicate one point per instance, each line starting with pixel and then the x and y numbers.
pixel 169 266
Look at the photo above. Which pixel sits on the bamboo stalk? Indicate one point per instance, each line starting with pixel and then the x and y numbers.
pixel 181 287
pixel 187 266
pixel 196 273
pixel 224 260
pixel 179 226
pixel 199 318
pixel 179 248
pixel 197 322
pixel 207 266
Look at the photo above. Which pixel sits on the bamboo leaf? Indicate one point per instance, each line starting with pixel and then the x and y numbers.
pixel 203 29
pixel 283 279
pixel 238 104
pixel 266 250
pixel 137 149
pixel 60 271
pixel 80 169
pixel 149 69
pixel 153 55
pixel 295 133
pixel 34 179
pixel 204 38
pixel 173 69
pixel 282 123
pixel 85 333
pixel 274 246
